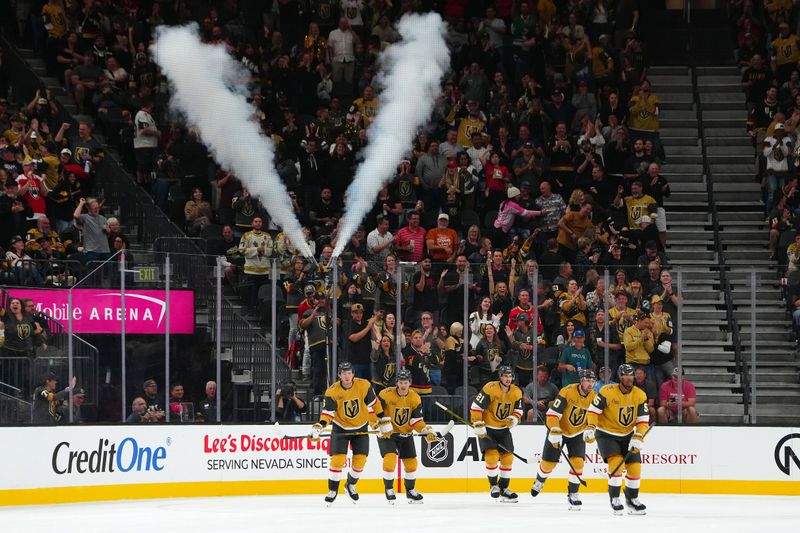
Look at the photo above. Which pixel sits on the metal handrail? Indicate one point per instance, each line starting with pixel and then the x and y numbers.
pixel 740 369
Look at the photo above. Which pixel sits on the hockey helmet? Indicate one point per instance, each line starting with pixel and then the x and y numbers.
pixel 404 374
pixel 505 369
pixel 345 366
pixel 586 373
pixel 625 370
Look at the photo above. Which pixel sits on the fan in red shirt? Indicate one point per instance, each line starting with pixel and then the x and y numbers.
pixel 33 189
pixel 409 243
pixel 524 307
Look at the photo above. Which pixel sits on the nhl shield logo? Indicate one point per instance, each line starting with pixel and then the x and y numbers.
pixel 401 416
pixel 577 416
pixel 351 408
pixel 626 415
pixel 438 454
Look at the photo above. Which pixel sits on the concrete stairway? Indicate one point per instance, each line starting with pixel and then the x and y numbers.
pixel 691 247
pixel 743 232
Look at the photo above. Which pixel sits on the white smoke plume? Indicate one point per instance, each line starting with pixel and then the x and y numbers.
pixel 208 87
pixel 410 78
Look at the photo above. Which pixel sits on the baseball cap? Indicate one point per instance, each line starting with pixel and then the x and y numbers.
pixel 651 245
pixel 512 192
pixel 444 216
pixel 149 382
pixel 15 239
pixel 779 126
pixel 579 333
pixel 452 164
pixel 357 307
pixel 656 299
pixel 79 392
pixel 528 145
pixel 644 219
pixel 42 101
pixel 522 316
pixel 66 151
pixel 309 289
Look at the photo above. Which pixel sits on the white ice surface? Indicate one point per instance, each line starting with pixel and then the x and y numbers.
pixel 441 513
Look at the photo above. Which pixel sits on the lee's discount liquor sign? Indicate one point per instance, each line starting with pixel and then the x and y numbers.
pixel 100 310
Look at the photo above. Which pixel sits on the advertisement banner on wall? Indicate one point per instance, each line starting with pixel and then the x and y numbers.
pixel 117 459
pixel 100 310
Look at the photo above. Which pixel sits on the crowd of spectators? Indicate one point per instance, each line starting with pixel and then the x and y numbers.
pixel 539 170
pixel 768 53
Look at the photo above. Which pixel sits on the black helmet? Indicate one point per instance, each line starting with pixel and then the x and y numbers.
pixel 404 374
pixel 586 373
pixel 505 369
pixel 344 366
pixel 625 370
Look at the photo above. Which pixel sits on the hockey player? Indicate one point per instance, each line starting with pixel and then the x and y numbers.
pixel 352 407
pixel 619 415
pixel 566 420
pixel 403 407
pixel 496 409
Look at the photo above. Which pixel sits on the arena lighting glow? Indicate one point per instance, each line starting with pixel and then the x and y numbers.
pixel 410 80
pixel 209 91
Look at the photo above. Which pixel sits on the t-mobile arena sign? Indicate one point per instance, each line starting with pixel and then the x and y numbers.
pixel 100 310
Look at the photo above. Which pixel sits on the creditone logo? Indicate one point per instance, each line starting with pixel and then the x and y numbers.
pixel 438 454
pixel 785 454
pixel 127 455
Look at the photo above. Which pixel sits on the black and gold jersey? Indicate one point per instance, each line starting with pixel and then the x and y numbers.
pixel 569 410
pixel 618 413
pixel 786 50
pixel 351 408
pixel 495 407
pixel 405 411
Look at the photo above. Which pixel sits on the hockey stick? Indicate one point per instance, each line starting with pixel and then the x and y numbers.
pixel 462 420
pixel 628 455
pixel 571 468
pixel 279 432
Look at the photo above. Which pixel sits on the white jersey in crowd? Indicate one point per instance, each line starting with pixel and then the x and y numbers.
pixel 777 152
pixel 144 121
pixel 248 246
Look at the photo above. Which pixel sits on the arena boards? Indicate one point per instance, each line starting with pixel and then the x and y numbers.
pixel 93 463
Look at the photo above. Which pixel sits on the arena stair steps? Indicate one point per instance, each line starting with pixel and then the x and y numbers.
pixel 743 234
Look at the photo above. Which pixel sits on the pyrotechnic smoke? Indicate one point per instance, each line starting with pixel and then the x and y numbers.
pixel 410 78
pixel 209 90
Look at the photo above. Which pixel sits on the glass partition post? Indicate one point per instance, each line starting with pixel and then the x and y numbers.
pixel 465 387
pixel 753 377
pixel 678 348
pixel 218 324
pixel 333 365
pixel 122 334
pixel 273 362
pixel 606 354
pixel 166 337
pixel 398 315
pixel 534 362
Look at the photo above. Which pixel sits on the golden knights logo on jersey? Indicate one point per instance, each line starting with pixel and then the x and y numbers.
pixel 405 188
pixel 503 410
pixel 351 408
pixel 23 331
pixel 402 416
pixel 626 414
pixel 577 416
pixel 388 372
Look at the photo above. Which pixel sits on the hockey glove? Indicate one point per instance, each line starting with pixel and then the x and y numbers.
pixel 514 421
pixel 637 443
pixel 385 427
pixel 316 429
pixel 479 428
pixel 554 436
pixel 588 435
pixel 431 435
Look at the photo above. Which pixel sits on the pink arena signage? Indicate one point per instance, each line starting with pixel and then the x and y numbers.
pixel 100 310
